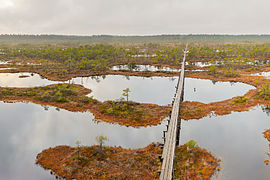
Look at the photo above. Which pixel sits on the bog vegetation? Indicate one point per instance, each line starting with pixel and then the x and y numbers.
pixel 100 56
pixel 85 162
pixel 62 62
pixel 73 97
pixel 70 56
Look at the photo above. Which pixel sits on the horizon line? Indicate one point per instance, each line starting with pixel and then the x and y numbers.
pixel 138 35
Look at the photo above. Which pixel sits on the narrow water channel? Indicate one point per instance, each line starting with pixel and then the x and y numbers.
pixel 265 74
pixel 140 67
pixel 4 62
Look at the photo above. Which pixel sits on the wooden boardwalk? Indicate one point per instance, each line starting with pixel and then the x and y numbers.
pixel 173 129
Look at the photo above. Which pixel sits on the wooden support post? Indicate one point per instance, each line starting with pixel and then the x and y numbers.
pixel 160 157
pixel 164 133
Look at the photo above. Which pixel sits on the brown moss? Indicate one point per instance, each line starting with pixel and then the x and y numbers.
pixel 78 102
pixel 197 110
pixel 119 163
pixel 113 163
pixel 267 134
pixel 52 72
pixel 194 163
pixel 189 110
pixel 141 115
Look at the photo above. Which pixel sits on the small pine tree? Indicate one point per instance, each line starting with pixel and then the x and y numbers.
pixel 78 143
pixel 101 140
pixel 126 92
pixel 213 69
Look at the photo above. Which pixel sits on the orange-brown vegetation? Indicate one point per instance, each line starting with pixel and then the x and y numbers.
pixel 52 71
pixel 73 98
pixel 136 114
pixel 56 72
pixel 193 162
pixel 190 110
pixel 244 77
pixel 84 73
pixel 111 163
pixel 197 110
pixel 118 163
pixel 267 136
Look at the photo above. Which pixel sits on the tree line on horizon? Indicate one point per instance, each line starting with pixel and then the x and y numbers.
pixel 199 38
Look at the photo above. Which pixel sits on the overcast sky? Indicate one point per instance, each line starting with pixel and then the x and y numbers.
pixel 134 17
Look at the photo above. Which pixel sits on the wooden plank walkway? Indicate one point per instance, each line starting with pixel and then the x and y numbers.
pixel 173 130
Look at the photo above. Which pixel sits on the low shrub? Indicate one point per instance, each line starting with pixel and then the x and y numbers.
pixel 240 99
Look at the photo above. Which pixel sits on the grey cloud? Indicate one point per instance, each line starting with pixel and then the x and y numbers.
pixel 135 16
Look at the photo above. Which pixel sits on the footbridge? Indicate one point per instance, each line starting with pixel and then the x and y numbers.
pixel 171 135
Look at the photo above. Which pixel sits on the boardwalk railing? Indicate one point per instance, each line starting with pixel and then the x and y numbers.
pixel 173 129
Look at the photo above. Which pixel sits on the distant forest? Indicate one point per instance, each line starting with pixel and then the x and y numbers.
pixel 64 39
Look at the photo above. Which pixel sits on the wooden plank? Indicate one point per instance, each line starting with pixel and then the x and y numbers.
pixel 171 135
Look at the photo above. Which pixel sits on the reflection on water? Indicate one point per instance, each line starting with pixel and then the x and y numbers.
pixel 204 63
pixel 156 90
pixel 6 68
pixel 198 64
pixel 13 80
pixel 266 109
pixel 31 129
pixel 195 70
pixel 262 62
pixel 143 68
pixel 207 91
pixel 216 63
pixel 4 62
pixel 266 74
pixel 237 139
